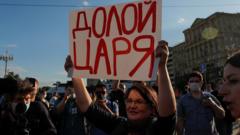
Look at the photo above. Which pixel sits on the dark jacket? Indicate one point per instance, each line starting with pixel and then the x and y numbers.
pixel 122 126
pixel 36 121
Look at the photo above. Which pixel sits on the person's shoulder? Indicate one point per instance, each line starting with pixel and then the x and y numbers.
pixel 114 103
pixel 38 105
pixel 111 103
pixel 164 124
pixel 185 97
pixel 215 92
pixel 208 94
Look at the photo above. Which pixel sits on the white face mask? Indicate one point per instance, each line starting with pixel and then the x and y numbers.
pixel 195 86
pixel 28 106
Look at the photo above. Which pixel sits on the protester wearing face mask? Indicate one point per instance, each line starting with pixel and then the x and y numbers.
pixel 21 102
pixel 103 102
pixel 25 117
pixel 197 109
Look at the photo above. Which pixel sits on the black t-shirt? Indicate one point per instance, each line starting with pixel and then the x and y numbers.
pixel 114 125
pixel 36 121
pixel 39 119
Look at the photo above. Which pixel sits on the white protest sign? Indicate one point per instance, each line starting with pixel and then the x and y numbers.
pixel 116 42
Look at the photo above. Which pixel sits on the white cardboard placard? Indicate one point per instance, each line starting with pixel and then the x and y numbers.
pixel 117 41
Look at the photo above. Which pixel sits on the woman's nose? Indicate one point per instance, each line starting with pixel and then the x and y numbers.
pixel 223 90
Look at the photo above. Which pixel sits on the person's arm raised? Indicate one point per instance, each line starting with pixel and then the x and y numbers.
pixel 83 98
pixel 166 96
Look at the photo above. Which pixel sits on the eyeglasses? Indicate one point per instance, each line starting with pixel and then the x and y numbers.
pixel 136 102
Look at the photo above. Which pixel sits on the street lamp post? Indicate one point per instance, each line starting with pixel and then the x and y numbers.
pixel 6 58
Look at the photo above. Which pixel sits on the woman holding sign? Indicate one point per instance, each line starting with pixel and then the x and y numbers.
pixel 148 113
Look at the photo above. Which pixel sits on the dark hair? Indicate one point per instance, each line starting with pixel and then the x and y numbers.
pixel 25 91
pixel 69 84
pixel 148 94
pixel 42 91
pixel 100 85
pixel 32 81
pixel 90 89
pixel 234 60
pixel 8 86
pixel 155 87
pixel 196 74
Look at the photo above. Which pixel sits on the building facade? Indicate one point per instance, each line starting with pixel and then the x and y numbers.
pixel 208 43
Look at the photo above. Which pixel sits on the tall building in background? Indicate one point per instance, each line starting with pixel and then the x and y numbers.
pixel 208 43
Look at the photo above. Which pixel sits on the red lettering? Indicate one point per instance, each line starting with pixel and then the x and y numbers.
pixel 130 31
pixel 87 66
pixel 102 47
pixel 149 52
pixel 94 21
pixel 113 12
pixel 151 12
pixel 114 21
pixel 79 27
pixel 147 2
pixel 119 52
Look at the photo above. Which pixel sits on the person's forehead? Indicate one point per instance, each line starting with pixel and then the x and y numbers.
pixel 135 94
pixel 194 78
pixel 230 70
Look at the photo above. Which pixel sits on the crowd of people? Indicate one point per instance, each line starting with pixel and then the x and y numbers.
pixel 139 110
